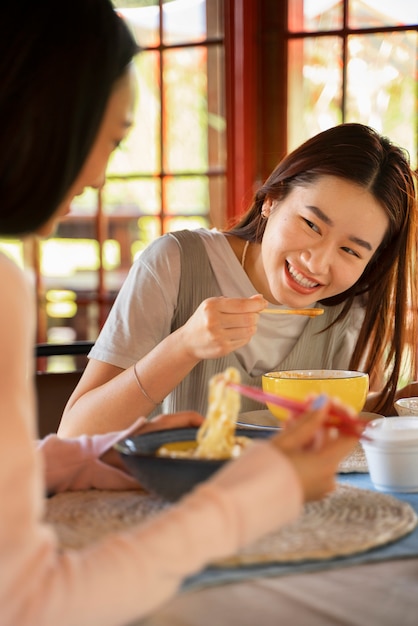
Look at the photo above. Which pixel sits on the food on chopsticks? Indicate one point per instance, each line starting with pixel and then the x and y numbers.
pixel 216 437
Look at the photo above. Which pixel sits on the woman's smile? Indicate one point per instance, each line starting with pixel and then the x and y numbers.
pixel 300 279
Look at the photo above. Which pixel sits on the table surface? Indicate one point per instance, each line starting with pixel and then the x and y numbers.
pixel 375 594
pixel 342 593
pixel 383 593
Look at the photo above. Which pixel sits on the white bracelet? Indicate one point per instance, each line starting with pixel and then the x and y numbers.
pixel 144 393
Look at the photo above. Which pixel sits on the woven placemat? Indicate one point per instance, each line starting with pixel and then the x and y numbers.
pixel 354 462
pixel 82 517
pixel 348 521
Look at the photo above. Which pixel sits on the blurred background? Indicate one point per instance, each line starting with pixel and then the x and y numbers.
pixel 226 88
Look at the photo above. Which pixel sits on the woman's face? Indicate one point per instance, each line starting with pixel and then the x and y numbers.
pixel 318 241
pixel 117 121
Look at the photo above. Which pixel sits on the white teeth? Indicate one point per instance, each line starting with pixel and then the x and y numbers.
pixel 300 279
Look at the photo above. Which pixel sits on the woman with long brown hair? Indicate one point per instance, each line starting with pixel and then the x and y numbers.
pixel 334 226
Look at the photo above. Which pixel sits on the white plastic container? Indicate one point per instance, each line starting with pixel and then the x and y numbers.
pixel 392 453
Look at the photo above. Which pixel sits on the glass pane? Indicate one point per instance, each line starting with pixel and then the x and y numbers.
pixel 116 252
pixel 124 204
pixel 71 263
pixel 180 223
pixel 84 205
pixel 186 110
pixel 149 228
pixel 132 197
pixel 315 87
pixel 65 326
pixel 141 152
pixel 184 21
pixel 376 13
pixel 315 15
pixel 186 195
pixel 381 91
pixel 144 18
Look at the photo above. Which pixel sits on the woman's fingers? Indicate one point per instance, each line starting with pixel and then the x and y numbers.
pixel 220 325
pixel 302 431
pixel 315 449
pixel 182 419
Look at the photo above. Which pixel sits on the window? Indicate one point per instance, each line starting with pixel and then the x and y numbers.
pixel 323 62
pixel 169 174
pixel 353 61
pixel 226 88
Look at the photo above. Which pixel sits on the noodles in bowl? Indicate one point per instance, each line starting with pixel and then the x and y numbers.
pixel 170 463
pixel 216 438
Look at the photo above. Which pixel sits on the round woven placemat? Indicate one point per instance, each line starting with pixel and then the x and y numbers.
pixel 354 462
pixel 82 517
pixel 348 521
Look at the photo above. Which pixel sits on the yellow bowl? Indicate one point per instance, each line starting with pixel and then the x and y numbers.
pixel 349 387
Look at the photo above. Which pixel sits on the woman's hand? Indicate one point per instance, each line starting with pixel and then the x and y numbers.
pixel 221 325
pixel 314 449
pixel 182 419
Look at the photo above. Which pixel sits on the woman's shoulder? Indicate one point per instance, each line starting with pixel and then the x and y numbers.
pixel 17 292
pixel 212 237
pixel 11 275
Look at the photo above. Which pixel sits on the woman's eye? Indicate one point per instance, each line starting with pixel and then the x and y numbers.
pixel 351 251
pixel 311 225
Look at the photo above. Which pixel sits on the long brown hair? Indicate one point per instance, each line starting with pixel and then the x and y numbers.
pixel 388 284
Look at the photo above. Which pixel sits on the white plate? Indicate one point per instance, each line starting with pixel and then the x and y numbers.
pixel 259 420
pixel 264 420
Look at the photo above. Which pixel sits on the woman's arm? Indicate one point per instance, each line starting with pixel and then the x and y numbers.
pixel 108 398
pixel 91 462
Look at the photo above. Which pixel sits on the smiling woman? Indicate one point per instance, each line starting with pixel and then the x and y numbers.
pixel 333 227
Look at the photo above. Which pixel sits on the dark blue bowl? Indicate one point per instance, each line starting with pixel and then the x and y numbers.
pixel 168 477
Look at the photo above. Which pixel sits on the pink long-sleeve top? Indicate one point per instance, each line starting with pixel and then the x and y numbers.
pixel 127 574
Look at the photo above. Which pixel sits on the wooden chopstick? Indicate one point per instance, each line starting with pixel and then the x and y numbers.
pixel 309 312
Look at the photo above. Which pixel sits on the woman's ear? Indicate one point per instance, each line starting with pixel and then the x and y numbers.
pixel 266 208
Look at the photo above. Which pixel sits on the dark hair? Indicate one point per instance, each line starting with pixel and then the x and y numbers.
pixel 359 154
pixel 58 64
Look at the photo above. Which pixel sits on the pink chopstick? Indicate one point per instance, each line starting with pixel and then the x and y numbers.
pixel 343 420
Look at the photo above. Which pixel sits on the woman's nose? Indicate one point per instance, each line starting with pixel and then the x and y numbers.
pixel 99 182
pixel 319 259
